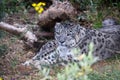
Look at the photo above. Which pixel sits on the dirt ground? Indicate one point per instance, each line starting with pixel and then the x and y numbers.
pixel 17 53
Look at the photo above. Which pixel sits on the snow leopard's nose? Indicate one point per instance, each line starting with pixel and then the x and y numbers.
pixel 62 41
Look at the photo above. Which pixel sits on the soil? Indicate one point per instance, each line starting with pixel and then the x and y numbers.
pixel 17 53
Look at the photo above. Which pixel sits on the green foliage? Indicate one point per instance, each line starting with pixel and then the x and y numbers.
pixel 2 34
pixel 80 70
pixel 69 73
pixel 87 4
pixel 3 49
pixel 1 10
pixel 46 74
pixel 94 4
pixel 96 10
pixel 114 75
pixel 14 62
pixel 96 18
pixel 74 71
pixel 11 6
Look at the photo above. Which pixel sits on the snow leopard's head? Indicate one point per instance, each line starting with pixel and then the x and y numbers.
pixel 109 22
pixel 68 34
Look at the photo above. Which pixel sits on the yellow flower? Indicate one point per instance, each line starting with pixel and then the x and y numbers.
pixel 40 10
pixel 43 4
pixel 1 78
pixel 34 4
pixel 80 57
pixel 39 4
pixel 86 69
pixel 80 74
pixel 37 8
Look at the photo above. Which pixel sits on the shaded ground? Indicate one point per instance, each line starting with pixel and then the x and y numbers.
pixel 10 64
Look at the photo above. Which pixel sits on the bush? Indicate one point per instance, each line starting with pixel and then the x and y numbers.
pixel 81 71
pixel 3 49
pixel 2 34
pixel 11 6
pixel 74 71
pixel 113 75
pixel 2 7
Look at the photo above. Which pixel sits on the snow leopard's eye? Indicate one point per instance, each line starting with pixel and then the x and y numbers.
pixel 57 33
pixel 68 34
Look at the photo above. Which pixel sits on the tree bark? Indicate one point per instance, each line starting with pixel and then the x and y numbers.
pixel 19 31
pixel 58 11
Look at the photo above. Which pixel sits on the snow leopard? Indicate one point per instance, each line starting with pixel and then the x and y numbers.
pixel 73 35
pixel 109 22
pixel 51 54
pixel 110 26
pixel 69 36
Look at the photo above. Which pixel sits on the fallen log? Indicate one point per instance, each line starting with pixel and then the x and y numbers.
pixel 28 35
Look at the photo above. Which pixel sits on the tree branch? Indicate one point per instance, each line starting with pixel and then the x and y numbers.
pixel 19 31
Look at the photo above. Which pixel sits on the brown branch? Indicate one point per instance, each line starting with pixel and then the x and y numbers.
pixel 18 31
pixel 45 34
pixel 11 29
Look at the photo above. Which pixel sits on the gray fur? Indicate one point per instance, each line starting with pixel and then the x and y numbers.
pixel 69 36
pixel 109 22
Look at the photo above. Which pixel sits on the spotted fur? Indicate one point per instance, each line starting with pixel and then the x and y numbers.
pixel 72 35
pixel 69 36
pixel 109 22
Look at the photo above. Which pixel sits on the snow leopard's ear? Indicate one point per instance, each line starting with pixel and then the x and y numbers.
pixel 57 25
pixel 109 22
